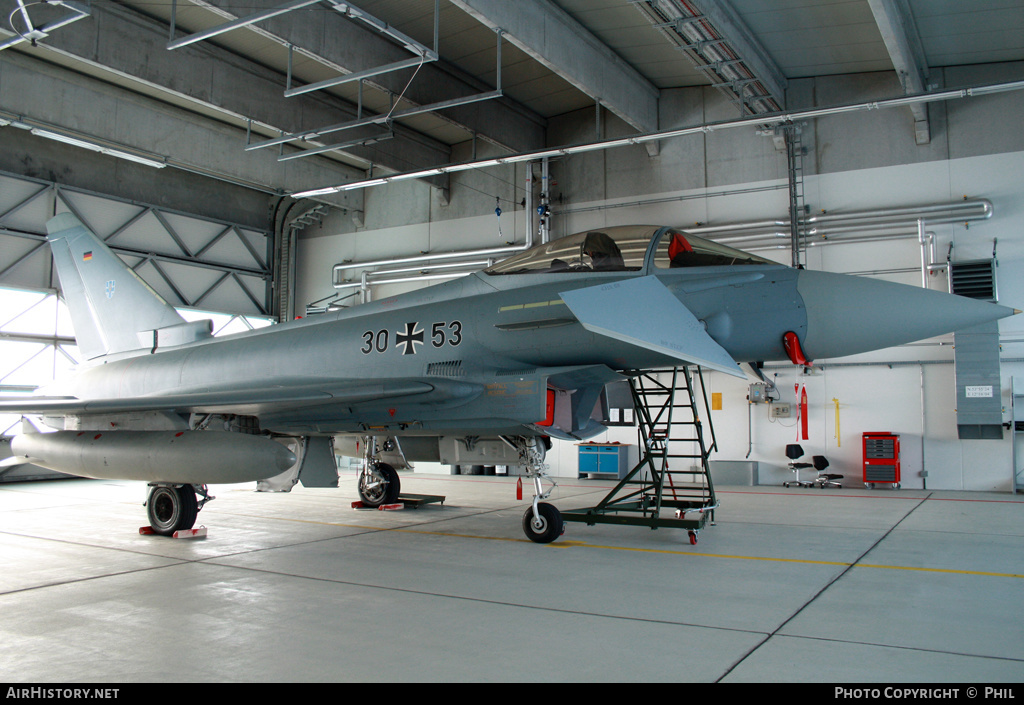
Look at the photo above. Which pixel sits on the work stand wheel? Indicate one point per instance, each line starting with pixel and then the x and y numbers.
pixel 546 529
pixel 693 538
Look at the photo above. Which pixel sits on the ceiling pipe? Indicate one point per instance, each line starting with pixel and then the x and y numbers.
pixel 365 282
pixel 388 264
pixel 829 228
pixel 758 121
pixel 391 265
pixel 899 222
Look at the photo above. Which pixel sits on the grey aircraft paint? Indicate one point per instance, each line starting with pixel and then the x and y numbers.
pixel 474 357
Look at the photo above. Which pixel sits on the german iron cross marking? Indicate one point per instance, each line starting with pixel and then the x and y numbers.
pixel 413 334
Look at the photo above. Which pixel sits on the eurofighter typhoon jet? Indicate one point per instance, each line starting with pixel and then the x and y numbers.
pixel 490 365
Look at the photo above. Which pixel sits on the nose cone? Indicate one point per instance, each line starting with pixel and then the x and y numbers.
pixel 847 315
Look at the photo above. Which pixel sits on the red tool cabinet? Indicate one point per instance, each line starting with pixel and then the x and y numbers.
pixel 881 459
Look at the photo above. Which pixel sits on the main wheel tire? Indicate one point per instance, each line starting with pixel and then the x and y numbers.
pixel 376 492
pixel 548 528
pixel 171 509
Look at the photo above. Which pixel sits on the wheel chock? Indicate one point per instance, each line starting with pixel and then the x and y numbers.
pixel 199 533
pixel 358 505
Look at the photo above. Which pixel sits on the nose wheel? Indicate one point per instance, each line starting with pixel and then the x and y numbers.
pixel 545 525
pixel 542 522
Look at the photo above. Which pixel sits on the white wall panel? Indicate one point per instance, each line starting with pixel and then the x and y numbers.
pixel 907 390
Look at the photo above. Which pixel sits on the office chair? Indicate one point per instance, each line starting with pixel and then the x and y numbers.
pixel 824 479
pixel 794 451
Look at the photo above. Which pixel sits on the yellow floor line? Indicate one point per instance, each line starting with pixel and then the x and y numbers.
pixel 582 544
pixel 941 570
pixel 689 554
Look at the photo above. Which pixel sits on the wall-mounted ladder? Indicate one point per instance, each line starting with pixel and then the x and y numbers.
pixel 673 472
pixel 797 206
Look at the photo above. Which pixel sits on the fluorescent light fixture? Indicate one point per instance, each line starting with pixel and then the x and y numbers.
pixel 361 184
pixel 57 137
pixel 414 174
pixel 533 156
pixel 459 167
pixel 95 147
pixel 317 192
pixel 594 146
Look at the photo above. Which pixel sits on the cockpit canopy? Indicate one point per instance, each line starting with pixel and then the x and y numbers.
pixel 623 248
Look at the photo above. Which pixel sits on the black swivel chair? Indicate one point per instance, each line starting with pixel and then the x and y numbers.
pixel 794 451
pixel 824 479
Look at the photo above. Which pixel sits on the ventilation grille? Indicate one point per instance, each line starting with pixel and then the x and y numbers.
pixel 452 368
pixel 515 373
pixel 975 279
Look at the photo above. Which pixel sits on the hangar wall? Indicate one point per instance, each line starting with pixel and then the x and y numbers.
pixel 855 161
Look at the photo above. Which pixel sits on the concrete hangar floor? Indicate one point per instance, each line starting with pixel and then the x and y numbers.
pixel 792 585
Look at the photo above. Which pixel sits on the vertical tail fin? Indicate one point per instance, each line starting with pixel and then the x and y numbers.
pixel 112 309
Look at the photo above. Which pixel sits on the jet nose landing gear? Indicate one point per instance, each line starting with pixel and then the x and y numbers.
pixel 543 524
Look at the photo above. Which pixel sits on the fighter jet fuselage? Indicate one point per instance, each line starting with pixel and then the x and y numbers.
pixel 477 351
pixel 520 350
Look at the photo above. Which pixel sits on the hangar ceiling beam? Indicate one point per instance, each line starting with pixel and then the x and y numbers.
pixel 899 32
pixel 551 36
pixel 41 101
pixel 348 47
pixel 217 83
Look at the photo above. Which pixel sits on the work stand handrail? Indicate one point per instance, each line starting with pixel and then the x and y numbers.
pixel 660 415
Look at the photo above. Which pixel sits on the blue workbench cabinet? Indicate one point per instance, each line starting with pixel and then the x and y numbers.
pixel 606 459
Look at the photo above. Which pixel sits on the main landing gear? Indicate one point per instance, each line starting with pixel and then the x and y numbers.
pixel 173 508
pixel 378 482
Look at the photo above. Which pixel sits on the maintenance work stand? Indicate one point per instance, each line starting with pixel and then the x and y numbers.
pixel 673 471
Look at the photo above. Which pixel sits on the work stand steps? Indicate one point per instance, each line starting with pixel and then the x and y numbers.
pixel 673 472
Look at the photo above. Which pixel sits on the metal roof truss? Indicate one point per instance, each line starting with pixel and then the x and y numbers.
pixel 188 257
